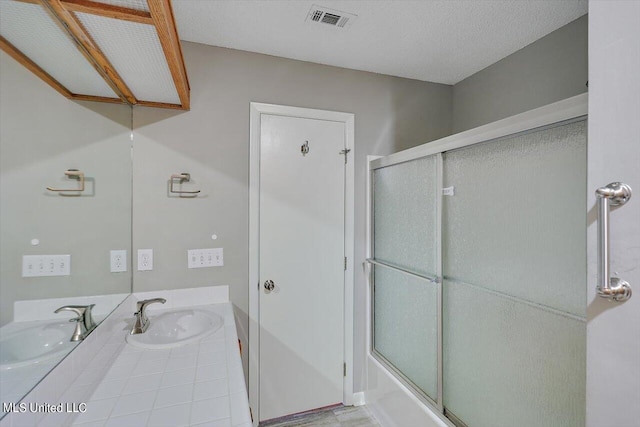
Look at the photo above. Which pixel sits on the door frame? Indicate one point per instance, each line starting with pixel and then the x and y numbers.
pixel 256 111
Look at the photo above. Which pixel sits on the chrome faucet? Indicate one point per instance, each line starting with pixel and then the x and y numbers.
pixel 142 321
pixel 84 321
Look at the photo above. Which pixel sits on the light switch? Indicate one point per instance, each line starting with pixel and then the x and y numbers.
pixel 46 265
pixel 217 255
pixel 201 258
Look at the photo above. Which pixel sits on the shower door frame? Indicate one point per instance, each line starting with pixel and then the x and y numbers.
pixel 570 109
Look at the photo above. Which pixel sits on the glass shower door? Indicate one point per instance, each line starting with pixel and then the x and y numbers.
pixel 514 289
pixel 478 270
pixel 405 297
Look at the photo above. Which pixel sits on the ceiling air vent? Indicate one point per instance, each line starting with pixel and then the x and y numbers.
pixel 335 18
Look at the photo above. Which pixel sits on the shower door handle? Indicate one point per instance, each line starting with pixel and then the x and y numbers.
pixel 611 288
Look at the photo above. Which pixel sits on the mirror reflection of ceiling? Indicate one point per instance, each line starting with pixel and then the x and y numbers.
pixel 437 41
pixel 109 51
pixel 25 25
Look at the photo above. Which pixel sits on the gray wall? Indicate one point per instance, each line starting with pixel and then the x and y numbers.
pixel 212 143
pixel 42 134
pixel 548 70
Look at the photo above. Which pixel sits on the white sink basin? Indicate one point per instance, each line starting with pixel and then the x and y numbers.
pixel 176 328
pixel 35 344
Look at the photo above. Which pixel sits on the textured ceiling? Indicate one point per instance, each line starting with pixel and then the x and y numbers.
pixel 437 41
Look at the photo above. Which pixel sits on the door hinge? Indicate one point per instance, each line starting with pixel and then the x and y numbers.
pixel 345 263
pixel 344 369
pixel 345 152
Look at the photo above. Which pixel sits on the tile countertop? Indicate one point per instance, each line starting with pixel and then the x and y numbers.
pixel 198 384
pixel 17 382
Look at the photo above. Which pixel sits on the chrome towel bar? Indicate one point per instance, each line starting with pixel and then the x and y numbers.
pixel 611 288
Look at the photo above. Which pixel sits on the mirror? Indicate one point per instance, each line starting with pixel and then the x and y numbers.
pixel 56 245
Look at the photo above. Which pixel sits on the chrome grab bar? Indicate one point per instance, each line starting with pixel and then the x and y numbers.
pixel 611 288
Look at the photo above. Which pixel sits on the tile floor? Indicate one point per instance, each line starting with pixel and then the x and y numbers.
pixel 341 416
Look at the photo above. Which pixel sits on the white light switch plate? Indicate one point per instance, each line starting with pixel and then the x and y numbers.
pixel 201 258
pixel 46 265
pixel 145 259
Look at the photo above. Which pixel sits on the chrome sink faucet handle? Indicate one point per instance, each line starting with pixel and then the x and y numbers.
pixel 142 321
pixel 84 321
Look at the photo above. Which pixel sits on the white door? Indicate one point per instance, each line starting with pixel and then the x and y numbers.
pixel 613 328
pixel 302 176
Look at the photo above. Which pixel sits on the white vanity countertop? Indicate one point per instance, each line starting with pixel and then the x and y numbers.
pixel 198 384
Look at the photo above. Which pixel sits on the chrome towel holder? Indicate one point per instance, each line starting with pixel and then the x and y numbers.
pixel 74 174
pixel 180 177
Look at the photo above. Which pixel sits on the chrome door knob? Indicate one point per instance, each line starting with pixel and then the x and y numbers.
pixel 269 285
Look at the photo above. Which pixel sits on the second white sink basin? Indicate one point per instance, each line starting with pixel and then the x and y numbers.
pixel 176 328
pixel 35 344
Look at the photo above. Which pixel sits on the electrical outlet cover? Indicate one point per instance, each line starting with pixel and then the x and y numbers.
pixel 145 259
pixel 118 260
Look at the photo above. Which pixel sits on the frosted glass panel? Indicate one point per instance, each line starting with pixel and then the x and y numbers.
pixel 517 221
pixel 30 28
pixel 135 52
pixel 514 295
pixel 507 363
pixel 404 215
pixel 406 326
